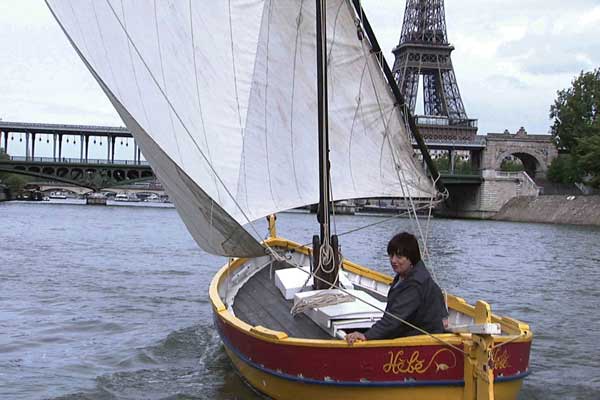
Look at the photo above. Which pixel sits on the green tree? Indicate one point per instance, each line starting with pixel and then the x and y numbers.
pixel 460 166
pixel 588 159
pixel 511 165
pixel 576 130
pixel 576 111
pixel 14 182
pixel 563 169
pixel 442 163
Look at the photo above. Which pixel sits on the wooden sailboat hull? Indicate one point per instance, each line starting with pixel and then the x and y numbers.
pixel 418 367
pixel 284 389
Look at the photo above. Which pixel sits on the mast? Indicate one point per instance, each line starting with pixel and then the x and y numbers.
pixel 325 266
pixel 323 211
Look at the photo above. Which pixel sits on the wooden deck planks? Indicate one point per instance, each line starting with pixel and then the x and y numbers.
pixel 259 302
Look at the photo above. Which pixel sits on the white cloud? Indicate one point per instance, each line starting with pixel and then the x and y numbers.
pixel 511 57
pixel 43 79
pixel 591 19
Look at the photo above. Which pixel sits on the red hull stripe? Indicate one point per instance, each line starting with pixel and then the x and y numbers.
pixel 365 384
pixel 397 383
pixel 334 383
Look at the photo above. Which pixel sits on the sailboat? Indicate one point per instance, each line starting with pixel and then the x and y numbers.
pixel 248 108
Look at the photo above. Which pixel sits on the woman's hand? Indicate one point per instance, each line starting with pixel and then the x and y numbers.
pixel 354 336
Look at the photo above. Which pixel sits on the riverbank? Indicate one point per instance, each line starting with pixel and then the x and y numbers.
pixel 82 202
pixel 3 193
pixel 556 209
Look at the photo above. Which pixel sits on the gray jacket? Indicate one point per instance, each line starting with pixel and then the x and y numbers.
pixel 416 299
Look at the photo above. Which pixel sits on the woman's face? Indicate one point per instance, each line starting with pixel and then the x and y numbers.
pixel 400 264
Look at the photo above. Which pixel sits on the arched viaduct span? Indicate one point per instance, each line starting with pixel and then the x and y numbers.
pixel 483 200
pixel 536 152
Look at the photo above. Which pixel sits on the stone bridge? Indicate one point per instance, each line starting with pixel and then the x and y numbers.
pixel 496 188
pixel 536 152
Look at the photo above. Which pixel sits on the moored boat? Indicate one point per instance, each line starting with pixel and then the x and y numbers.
pixel 95 198
pixel 344 208
pixel 57 195
pixel 126 197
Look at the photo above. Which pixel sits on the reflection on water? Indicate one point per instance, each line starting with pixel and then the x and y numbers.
pixel 111 303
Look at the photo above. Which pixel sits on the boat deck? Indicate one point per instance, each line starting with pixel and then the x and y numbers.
pixel 259 302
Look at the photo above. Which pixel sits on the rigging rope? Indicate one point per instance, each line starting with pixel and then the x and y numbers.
pixel 408 200
pixel 522 335
pixel 379 222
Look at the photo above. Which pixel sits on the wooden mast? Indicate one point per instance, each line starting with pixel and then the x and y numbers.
pixel 325 266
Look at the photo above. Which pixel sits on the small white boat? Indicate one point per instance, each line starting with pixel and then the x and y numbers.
pixel 121 197
pixel 126 197
pixel 57 195
pixel 153 198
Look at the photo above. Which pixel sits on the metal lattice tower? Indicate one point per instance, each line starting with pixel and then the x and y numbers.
pixel 424 51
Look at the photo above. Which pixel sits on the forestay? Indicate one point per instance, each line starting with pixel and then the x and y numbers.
pixel 221 97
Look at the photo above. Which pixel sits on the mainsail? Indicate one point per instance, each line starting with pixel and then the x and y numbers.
pixel 221 97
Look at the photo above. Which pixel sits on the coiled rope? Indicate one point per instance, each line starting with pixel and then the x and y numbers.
pixel 320 299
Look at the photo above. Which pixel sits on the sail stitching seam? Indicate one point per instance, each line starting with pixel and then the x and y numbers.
pixel 162 71
pixel 200 109
pixel 292 102
pixel 265 113
pixel 357 111
pixel 135 77
pixel 104 45
pixel 242 126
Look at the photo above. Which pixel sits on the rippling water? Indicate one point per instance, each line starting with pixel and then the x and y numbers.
pixel 111 302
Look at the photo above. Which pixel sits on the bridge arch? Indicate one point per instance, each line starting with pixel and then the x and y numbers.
pixel 536 152
pixel 532 163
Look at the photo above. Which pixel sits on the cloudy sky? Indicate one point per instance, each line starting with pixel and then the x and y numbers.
pixel 511 57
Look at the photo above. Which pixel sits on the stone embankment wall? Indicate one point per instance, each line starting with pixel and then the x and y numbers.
pixel 556 209
pixel 3 193
pixel 485 200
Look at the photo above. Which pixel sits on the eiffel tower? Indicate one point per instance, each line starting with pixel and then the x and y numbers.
pixel 424 51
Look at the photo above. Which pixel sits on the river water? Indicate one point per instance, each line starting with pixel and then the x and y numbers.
pixel 111 302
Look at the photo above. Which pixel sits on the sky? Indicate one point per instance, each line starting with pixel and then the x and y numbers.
pixel 510 59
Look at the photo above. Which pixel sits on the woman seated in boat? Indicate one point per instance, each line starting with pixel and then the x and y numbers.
pixel 413 296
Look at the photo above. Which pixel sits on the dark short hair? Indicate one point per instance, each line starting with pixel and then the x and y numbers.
pixel 405 244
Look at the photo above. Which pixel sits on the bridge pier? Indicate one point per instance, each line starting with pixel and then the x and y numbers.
pixel 4 134
pixel 452 159
pixel 112 155
pixel 484 200
pixel 27 152
pixel 32 145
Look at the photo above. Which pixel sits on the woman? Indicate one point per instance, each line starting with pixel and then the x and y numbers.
pixel 413 296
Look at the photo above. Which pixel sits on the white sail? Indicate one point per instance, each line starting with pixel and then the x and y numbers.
pixel 222 99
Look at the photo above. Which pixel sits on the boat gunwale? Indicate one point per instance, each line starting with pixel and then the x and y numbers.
pixel 519 331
